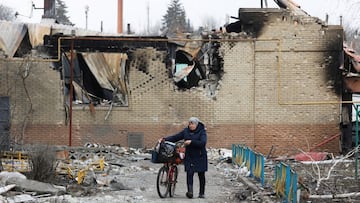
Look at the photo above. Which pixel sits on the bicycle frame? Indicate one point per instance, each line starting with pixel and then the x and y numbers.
pixel 170 181
pixel 171 172
pixel 168 173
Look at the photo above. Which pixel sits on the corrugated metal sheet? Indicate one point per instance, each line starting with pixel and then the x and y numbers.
pixel 100 69
pixel 117 63
pixel 108 69
pixel 355 58
pixel 37 32
pixel 351 68
pixel 65 59
pixel 11 35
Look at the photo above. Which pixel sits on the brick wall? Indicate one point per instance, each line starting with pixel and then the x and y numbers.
pixel 275 92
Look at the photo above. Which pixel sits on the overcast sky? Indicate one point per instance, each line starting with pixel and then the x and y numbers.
pixel 136 11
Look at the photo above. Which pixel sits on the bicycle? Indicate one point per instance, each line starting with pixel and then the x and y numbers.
pixel 167 179
pixel 168 173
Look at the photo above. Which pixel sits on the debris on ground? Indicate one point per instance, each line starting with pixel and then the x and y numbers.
pixel 112 173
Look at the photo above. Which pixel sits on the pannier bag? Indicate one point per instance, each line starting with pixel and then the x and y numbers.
pixel 164 152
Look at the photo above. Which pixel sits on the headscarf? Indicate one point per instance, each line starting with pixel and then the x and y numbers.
pixel 194 120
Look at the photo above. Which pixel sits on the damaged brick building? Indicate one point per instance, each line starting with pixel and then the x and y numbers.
pixel 272 83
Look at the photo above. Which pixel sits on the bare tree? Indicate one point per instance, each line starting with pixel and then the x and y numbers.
pixel 153 30
pixel 350 21
pixel 209 23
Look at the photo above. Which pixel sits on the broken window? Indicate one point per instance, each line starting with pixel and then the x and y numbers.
pixel 98 78
pixel 200 66
pixel 100 65
pixel 187 71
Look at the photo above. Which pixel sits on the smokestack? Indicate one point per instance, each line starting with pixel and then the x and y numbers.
pixel 128 29
pixel 120 17
pixel 327 19
pixel 49 9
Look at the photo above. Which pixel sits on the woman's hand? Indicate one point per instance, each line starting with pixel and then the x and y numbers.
pixel 161 140
pixel 187 142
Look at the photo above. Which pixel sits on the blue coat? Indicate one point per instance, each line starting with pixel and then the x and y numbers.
pixel 195 154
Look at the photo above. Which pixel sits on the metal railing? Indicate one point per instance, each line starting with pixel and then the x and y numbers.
pixel 285 179
pixel 285 183
pixel 255 162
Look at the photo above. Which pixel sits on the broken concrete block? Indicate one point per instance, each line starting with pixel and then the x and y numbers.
pixel 5 175
pixel 21 198
pixel 115 185
pixel 6 188
pixel 35 186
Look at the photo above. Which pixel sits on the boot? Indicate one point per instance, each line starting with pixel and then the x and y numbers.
pixel 202 191
pixel 202 188
pixel 189 193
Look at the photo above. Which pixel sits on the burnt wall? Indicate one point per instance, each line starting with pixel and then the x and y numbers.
pixel 275 91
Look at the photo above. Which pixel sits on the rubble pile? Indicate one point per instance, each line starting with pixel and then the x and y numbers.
pixel 83 172
pixel 95 173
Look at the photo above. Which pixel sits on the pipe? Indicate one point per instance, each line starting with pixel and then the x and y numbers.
pixel 280 102
pixel 357 142
pixel 279 96
pixel 254 94
pixel 325 141
pixel 71 89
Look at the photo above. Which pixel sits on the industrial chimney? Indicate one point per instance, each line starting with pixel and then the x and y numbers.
pixel 120 17
pixel 49 9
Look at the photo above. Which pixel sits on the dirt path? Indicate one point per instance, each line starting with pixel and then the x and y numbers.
pixel 141 176
pixel 129 176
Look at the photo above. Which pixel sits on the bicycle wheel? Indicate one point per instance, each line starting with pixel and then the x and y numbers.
pixel 162 183
pixel 173 180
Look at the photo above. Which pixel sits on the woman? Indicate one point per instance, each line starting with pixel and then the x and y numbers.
pixel 195 139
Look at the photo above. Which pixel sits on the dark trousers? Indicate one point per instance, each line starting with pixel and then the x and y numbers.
pixel 189 180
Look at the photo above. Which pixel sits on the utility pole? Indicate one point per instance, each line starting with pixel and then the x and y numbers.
pixel 86 16
pixel 262 3
pixel 148 18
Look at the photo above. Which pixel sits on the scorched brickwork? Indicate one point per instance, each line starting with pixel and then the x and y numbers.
pixel 275 92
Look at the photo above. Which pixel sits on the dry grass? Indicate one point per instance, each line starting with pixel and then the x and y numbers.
pixel 43 163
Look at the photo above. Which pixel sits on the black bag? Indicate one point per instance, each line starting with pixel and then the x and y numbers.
pixel 164 152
